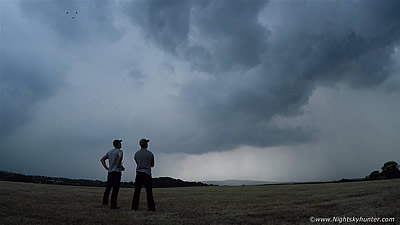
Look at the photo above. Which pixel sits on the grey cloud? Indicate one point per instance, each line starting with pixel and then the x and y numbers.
pixel 232 74
pixel 94 19
pixel 22 87
pixel 30 73
pixel 235 38
pixel 338 42
pixel 33 60
pixel 138 77
pixel 166 22
pixel 238 39
pixel 265 59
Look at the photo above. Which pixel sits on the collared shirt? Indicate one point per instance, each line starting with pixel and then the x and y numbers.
pixel 144 160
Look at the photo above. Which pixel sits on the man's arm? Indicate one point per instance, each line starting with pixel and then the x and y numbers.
pixel 134 159
pixel 152 161
pixel 120 157
pixel 103 162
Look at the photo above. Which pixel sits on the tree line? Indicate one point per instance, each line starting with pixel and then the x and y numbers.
pixel 158 182
pixel 389 170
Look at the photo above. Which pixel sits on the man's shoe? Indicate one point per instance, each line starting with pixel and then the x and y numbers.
pixel 114 207
pixel 152 210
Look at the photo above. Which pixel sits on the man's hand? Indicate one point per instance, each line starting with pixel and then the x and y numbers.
pixel 122 168
pixel 103 162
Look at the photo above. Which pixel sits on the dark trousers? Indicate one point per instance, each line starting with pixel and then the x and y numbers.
pixel 113 181
pixel 143 178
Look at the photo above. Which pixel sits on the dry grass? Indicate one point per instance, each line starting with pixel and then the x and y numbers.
pixel 25 203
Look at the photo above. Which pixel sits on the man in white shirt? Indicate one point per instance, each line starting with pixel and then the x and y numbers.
pixel 114 169
pixel 144 160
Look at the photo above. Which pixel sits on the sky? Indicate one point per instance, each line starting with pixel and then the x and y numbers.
pixel 279 90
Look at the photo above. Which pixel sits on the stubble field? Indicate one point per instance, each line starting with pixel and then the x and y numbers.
pixel 27 203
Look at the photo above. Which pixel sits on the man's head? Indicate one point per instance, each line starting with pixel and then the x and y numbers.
pixel 117 143
pixel 144 143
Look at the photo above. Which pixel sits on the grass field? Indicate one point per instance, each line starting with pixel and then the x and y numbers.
pixel 27 203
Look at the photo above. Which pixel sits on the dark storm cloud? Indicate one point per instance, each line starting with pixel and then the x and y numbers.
pixel 337 40
pixel 167 22
pixel 265 59
pixel 233 26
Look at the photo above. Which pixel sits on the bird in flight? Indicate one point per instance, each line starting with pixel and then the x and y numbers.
pixel 73 17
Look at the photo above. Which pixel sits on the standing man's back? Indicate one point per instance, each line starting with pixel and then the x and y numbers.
pixel 114 169
pixel 144 160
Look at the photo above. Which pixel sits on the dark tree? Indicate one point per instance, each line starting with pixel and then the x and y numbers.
pixel 375 175
pixel 390 170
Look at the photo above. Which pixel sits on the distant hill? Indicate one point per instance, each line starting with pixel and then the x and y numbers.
pixel 252 182
pixel 158 182
pixel 172 182
pixel 238 182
